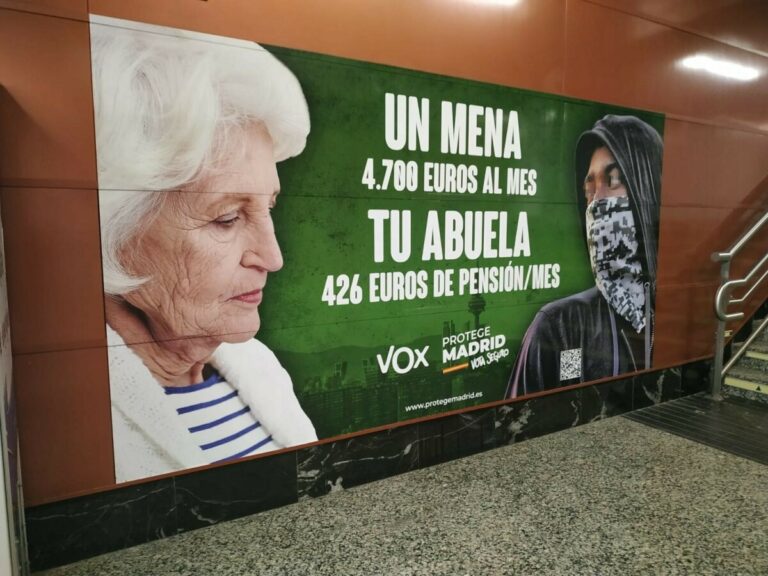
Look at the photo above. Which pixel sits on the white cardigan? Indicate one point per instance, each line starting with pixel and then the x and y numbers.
pixel 148 436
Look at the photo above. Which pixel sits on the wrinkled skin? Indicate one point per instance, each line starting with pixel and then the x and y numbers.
pixel 207 254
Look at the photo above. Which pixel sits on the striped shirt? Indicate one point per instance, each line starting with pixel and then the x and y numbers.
pixel 219 421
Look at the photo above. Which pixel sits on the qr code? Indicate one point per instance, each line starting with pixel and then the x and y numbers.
pixel 570 364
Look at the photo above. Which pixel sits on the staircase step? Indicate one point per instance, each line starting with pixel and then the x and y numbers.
pixel 748 378
pixel 758 350
pixel 752 363
pixel 746 385
pixel 749 373
pixel 746 394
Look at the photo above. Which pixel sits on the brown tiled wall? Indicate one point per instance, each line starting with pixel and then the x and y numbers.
pixel 620 52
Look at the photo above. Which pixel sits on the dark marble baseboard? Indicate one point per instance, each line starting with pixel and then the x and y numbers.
pixel 63 532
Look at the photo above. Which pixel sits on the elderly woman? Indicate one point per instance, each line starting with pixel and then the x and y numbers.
pixel 189 128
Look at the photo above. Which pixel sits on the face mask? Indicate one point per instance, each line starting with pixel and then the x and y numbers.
pixel 613 247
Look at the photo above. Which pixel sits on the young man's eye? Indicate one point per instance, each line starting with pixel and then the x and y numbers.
pixel 614 179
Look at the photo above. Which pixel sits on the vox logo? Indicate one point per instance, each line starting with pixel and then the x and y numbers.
pixel 403 359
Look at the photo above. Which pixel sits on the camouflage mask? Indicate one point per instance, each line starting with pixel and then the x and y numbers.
pixel 613 251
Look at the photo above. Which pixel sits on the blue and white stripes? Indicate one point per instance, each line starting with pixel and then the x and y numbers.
pixel 220 423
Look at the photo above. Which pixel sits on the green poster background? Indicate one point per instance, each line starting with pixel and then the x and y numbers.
pixel 324 230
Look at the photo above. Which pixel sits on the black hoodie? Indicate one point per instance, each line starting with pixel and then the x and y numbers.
pixel 580 338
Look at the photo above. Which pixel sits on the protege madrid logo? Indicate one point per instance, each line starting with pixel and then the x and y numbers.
pixel 473 349
pixel 403 360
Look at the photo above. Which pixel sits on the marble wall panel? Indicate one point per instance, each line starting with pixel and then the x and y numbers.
pixel 228 492
pixel 456 436
pixel 64 532
pixel 346 463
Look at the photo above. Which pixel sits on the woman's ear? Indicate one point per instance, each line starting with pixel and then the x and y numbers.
pixel 126 320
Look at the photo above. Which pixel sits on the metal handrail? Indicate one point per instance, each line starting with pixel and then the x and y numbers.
pixel 740 352
pixel 723 300
pixel 728 255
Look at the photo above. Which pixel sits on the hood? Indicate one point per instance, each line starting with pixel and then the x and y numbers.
pixel 638 149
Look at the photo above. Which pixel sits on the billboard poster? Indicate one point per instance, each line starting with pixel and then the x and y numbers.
pixel 297 246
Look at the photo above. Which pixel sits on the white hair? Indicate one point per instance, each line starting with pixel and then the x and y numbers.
pixel 166 102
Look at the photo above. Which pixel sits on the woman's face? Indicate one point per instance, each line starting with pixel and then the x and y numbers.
pixel 209 250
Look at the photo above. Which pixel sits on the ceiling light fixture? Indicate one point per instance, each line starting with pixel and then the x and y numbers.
pixel 497 2
pixel 724 68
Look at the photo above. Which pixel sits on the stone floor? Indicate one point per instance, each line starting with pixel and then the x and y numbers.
pixel 612 497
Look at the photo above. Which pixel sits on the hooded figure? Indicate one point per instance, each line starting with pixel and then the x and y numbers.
pixel 606 330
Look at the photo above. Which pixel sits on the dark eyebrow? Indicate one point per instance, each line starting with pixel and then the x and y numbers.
pixel 611 166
